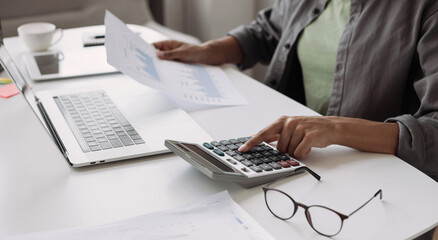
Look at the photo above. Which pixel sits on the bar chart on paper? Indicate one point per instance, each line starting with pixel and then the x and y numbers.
pixel 195 84
pixel 148 65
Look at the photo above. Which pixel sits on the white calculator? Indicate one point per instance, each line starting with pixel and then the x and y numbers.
pixel 220 160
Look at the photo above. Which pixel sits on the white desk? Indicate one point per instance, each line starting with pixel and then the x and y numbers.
pixel 39 191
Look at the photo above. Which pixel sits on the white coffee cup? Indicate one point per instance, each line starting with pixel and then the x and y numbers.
pixel 38 36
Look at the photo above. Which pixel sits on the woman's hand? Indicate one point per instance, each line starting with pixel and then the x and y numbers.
pixel 216 52
pixel 297 135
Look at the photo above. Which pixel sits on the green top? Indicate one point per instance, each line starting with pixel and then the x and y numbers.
pixel 317 48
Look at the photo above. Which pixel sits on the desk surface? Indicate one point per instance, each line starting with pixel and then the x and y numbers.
pixel 40 191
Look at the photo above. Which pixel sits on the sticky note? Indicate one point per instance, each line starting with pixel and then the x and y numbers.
pixel 5 80
pixel 8 91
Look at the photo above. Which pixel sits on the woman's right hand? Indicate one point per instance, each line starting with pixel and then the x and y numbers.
pixel 216 52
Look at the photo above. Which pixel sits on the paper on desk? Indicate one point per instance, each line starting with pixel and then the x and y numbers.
pixel 214 217
pixel 184 83
pixel 8 91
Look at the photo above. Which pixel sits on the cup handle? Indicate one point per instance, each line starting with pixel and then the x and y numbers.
pixel 60 33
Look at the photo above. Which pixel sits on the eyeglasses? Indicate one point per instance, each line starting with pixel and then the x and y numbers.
pixel 323 220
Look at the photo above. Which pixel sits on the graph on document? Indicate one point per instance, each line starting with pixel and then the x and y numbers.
pixel 194 84
pixel 147 65
pixel 199 84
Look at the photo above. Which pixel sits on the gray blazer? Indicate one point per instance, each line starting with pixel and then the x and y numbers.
pixel 386 65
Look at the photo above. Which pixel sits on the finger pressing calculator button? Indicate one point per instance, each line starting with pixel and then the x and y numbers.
pixel 218 152
pixel 256 168
pixel 208 145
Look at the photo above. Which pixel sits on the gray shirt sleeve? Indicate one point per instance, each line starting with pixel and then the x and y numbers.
pixel 418 138
pixel 259 39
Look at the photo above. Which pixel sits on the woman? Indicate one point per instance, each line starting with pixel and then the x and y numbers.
pixel 371 67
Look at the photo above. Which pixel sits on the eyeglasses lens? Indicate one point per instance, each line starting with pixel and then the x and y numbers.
pixel 280 204
pixel 324 220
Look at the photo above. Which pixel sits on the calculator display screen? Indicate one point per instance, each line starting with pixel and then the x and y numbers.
pixel 208 157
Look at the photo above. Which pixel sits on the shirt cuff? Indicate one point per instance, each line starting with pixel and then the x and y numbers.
pixel 411 142
pixel 246 44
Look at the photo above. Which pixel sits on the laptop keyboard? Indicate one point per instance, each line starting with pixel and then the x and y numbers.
pixel 96 122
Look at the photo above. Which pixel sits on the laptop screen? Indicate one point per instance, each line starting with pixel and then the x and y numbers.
pixel 11 71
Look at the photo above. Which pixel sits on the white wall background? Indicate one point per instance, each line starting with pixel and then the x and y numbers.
pixel 210 19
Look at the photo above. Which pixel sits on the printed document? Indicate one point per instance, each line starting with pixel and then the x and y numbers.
pixel 185 83
pixel 216 217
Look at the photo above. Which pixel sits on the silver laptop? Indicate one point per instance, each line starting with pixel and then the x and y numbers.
pixel 95 126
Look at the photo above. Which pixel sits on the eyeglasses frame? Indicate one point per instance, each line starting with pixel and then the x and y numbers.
pixel 343 217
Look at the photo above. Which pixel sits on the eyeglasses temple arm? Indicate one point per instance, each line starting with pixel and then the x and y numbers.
pixel 314 174
pixel 380 193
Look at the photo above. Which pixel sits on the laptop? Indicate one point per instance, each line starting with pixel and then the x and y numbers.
pixel 96 125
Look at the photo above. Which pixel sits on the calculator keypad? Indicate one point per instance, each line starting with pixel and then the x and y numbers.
pixel 262 158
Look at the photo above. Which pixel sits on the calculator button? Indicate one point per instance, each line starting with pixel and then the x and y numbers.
pixel 266 147
pixel 293 163
pixel 218 152
pixel 232 147
pixel 208 145
pixel 233 141
pixel 248 156
pixel 284 164
pixel 223 148
pixel 258 149
pixel 215 143
pixel 247 163
pixel 257 155
pixel 266 160
pixel 275 165
pixel 244 139
pixel 283 157
pixel 256 161
pixel 224 142
pixel 275 158
pixel 231 153
pixel 275 152
pixel 265 167
pixel 231 161
pixel 256 168
pixel 267 153
pixel 239 158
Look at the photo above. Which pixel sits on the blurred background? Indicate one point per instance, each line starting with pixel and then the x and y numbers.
pixel 191 21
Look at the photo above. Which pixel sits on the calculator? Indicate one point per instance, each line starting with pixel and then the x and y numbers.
pixel 220 160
